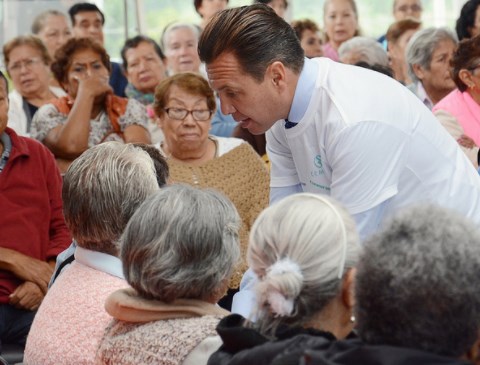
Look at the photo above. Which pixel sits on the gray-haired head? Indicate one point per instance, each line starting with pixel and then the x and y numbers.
pixel 300 248
pixel 417 283
pixel 422 45
pixel 175 26
pixel 102 189
pixel 181 243
pixel 358 49
pixel 40 20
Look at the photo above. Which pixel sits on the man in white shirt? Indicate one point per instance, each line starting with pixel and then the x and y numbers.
pixel 333 129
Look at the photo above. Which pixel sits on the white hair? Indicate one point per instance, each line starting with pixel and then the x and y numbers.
pixel 366 49
pixel 175 26
pixel 300 248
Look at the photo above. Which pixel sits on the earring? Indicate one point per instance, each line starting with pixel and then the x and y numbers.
pixel 352 318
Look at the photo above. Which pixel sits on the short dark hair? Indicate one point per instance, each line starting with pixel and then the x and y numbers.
pixel 466 20
pixel 466 56
pixel 162 170
pixel 134 43
pixel 63 56
pixel 266 2
pixel 84 7
pixel 300 26
pixel 257 37
pixel 2 77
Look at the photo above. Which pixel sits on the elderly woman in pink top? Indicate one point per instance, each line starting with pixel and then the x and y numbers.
pixel 101 191
pixel 459 111
pixel 340 19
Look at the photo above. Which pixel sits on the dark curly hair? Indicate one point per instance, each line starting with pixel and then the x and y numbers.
pixel 466 19
pixel 466 57
pixel 63 56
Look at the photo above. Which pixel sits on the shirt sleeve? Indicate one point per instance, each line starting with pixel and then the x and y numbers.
pixel 277 194
pixel 59 234
pixel 283 172
pixel 45 119
pixel 367 160
pixel 135 114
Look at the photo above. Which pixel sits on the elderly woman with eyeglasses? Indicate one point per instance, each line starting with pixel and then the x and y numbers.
pixel 184 105
pixel 459 111
pixel 90 114
pixel 28 64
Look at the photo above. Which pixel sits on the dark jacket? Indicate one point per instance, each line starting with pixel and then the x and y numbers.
pixel 350 352
pixel 245 345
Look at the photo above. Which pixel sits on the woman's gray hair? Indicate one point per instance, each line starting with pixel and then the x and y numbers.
pixel 181 243
pixel 422 45
pixel 300 248
pixel 39 22
pixel 175 26
pixel 366 49
pixel 417 283
pixel 102 189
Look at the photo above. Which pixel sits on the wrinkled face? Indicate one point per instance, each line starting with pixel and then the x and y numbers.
pixel 211 7
pixel 84 63
pixel 407 8
pixel 88 24
pixel 30 75
pixel 475 30
pixel 181 51
pixel 396 50
pixel 279 7
pixel 250 102
pixel 187 134
pixel 55 33
pixel 340 21
pixel 311 43
pixel 145 67
pixel 438 76
pixel 3 105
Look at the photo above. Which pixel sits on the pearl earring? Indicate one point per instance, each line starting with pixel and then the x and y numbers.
pixel 352 318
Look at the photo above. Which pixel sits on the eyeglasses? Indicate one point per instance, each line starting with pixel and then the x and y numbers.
pixel 199 115
pixel 28 63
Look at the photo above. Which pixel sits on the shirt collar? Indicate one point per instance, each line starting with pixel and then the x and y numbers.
pixel 99 261
pixel 304 91
pixel 423 96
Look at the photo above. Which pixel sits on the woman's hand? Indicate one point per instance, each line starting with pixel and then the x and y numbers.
pixel 93 85
pixel 466 141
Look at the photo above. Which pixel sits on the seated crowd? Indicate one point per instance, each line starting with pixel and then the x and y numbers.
pixel 137 215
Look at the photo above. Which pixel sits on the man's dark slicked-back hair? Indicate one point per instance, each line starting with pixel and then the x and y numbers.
pixel 83 7
pixel 257 37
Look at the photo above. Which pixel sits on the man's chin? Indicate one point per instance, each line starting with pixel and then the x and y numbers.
pixel 252 126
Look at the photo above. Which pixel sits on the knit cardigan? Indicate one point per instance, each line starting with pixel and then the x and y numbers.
pixel 152 332
pixel 243 177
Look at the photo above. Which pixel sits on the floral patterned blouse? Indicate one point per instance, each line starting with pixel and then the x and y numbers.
pixel 101 130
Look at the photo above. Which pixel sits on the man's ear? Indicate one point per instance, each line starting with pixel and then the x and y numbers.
pixel 276 73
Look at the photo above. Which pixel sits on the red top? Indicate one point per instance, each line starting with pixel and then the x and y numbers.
pixel 31 220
